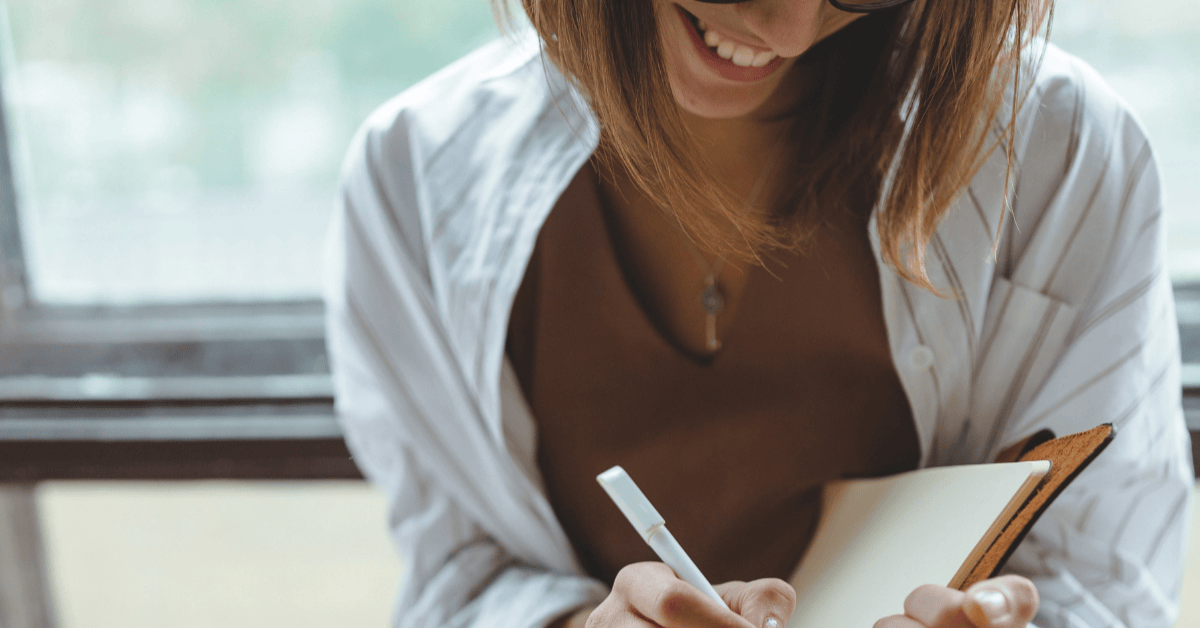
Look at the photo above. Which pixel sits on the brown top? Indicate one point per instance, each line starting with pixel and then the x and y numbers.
pixel 733 450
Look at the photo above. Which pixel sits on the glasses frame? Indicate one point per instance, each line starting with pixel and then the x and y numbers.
pixel 868 7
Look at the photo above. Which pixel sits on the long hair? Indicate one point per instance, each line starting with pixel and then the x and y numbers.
pixel 907 96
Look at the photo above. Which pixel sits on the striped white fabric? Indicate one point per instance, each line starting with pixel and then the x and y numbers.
pixel 1069 325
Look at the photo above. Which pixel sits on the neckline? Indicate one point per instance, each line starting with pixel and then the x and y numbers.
pixel 663 339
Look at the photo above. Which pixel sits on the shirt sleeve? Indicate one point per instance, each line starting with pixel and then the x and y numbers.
pixel 391 367
pixel 1109 551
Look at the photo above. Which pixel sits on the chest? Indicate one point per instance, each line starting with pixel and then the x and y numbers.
pixel 733 450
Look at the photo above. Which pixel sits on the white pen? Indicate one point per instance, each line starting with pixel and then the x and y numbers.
pixel 638 510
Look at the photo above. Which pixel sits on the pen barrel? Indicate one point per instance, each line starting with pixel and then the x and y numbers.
pixel 672 554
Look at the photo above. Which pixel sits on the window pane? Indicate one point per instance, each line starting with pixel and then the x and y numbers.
pixel 1151 55
pixel 173 150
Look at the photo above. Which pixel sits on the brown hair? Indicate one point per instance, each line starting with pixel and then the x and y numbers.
pixel 909 92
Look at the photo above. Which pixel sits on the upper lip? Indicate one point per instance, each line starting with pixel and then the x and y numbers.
pixel 738 39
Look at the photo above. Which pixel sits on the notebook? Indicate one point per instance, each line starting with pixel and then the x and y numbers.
pixel 879 539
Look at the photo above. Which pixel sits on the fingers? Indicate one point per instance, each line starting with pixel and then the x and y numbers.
pixel 937 607
pixel 1004 602
pixel 652 592
pixel 765 603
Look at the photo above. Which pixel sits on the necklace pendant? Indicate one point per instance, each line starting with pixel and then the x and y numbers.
pixel 712 300
pixel 711 340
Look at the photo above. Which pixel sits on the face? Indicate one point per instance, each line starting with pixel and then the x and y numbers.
pixel 728 60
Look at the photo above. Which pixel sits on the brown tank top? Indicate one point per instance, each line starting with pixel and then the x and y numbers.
pixel 733 451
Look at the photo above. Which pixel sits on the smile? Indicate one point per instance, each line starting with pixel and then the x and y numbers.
pixel 730 59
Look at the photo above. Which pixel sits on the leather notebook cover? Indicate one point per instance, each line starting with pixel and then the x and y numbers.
pixel 1068 456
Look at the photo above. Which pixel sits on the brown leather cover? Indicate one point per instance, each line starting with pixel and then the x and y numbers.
pixel 1068 456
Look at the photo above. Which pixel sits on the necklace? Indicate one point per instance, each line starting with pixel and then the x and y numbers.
pixel 712 298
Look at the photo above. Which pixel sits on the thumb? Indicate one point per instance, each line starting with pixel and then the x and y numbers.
pixel 1004 602
pixel 766 603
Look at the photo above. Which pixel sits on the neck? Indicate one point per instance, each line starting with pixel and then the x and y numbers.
pixel 740 149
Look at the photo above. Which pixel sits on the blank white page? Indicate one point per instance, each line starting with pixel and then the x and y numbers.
pixel 880 539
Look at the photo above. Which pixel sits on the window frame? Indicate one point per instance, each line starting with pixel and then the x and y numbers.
pixel 270 421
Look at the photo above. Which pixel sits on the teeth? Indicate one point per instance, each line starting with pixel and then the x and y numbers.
pixel 743 56
pixel 740 55
pixel 725 49
pixel 762 59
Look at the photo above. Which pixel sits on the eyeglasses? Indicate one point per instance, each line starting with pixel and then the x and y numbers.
pixel 853 6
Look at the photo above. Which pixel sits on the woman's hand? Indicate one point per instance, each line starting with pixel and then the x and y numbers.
pixel 647 595
pixel 1004 602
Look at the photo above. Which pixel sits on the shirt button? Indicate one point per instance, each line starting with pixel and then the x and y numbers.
pixel 921 357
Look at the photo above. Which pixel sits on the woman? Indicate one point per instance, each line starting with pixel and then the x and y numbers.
pixel 743 249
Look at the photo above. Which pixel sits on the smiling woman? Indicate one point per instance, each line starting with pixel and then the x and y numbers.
pixel 745 249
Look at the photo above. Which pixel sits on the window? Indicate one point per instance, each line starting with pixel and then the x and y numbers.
pixel 175 163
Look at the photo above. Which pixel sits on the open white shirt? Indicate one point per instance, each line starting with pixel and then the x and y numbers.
pixel 1070 324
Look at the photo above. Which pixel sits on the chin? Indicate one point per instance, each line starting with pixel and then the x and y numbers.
pixel 710 99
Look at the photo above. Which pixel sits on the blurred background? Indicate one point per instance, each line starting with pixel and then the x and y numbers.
pixel 173 167
pixel 165 147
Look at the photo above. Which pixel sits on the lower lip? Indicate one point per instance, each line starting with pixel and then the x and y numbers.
pixel 724 67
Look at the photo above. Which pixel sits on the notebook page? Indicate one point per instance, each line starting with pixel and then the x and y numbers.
pixel 881 538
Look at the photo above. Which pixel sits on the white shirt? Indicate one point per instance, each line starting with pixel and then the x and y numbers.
pixel 1070 324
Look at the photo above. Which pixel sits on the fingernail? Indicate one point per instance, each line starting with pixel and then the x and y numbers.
pixel 771 623
pixel 993 603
